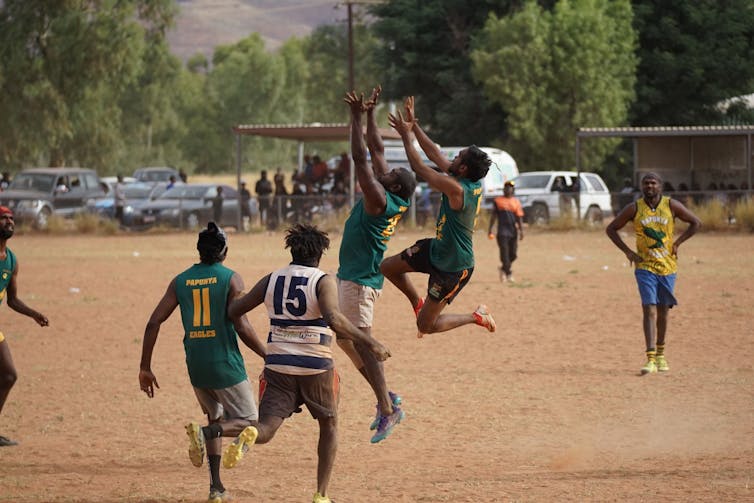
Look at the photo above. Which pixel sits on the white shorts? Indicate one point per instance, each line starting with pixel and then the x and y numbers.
pixel 234 402
pixel 357 302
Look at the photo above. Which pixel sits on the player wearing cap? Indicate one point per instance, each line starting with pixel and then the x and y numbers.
pixel 215 365
pixel 8 290
pixel 508 214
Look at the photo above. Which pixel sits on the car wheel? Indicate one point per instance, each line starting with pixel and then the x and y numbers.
pixel 192 221
pixel 539 214
pixel 43 218
pixel 594 215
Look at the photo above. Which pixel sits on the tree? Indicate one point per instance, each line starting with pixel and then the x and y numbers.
pixel 554 72
pixel 70 61
pixel 693 54
pixel 425 52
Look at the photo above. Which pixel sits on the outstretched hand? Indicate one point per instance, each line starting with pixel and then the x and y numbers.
pixel 371 103
pixel 400 124
pixel 408 104
pixel 356 103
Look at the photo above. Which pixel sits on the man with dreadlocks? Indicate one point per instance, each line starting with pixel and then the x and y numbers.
pixel 215 365
pixel 302 303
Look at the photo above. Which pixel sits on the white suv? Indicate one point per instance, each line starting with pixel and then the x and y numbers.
pixel 551 194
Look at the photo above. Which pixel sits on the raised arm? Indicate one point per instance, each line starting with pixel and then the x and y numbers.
pixel 374 140
pixel 245 331
pixel 429 147
pixel 327 293
pixel 438 181
pixel 375 200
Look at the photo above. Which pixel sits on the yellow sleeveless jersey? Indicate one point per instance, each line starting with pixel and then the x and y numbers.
pixel 654 237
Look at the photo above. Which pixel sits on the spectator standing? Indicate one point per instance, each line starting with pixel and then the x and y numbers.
pixel 171 182
pixel 264 190
pixel 245 205
pixel 4 181
pixel 182 175
pixel 119 198
pixel 508 214
pixel 217 206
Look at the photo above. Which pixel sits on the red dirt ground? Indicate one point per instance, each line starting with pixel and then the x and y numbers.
pixel 549 408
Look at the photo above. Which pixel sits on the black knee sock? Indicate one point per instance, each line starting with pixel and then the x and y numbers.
pixel 214 472
pixel 214 430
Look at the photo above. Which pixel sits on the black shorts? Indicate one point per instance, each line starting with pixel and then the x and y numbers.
pixel 281 395
pixel 442 286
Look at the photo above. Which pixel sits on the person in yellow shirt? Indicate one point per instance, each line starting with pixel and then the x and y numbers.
pixel 655 259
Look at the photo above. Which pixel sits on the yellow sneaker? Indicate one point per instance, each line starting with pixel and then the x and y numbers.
pixel 240 445
pixel 318 498
pixel 662 363
pixel 217 496
pixel 649 368
pixel 196 449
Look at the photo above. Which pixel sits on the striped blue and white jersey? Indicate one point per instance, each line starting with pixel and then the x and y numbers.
pixel 299 342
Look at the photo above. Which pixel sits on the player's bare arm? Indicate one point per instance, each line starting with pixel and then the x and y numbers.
pixel 20 306
pixel 374 140
pixel 438 181
pixel 250 300
pixel 375 200
pixel 166 306
pixel 425 142
pixel 681 212
pixel 243 327
pixel 327 294
pixel 626 215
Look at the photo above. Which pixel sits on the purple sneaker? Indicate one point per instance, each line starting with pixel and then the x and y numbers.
pixel 387 423
pixel 395 398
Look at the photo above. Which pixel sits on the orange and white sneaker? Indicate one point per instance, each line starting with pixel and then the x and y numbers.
pixel 483 318
pixel 418 306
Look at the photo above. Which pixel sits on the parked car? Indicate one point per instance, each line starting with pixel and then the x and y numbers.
pixel 137 194
pixel 551 194
pixel 189 206
pixel 156 174
pixel 36 193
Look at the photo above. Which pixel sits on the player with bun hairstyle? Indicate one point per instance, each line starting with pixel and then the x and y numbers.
pixel 215 365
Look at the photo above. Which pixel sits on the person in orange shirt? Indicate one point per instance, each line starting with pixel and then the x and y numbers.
pixel 508 214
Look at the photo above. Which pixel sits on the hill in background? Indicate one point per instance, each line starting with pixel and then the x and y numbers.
pixel 201 25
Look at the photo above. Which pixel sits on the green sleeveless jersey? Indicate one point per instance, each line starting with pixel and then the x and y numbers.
pixel 210 340
pixel 365 240
pixel 452 250
pixel 654 237
pixel 6 271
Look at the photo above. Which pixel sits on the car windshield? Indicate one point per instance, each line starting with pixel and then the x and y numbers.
pixel 153 175
pixel 137 191
pixel 33 181
pixel 185 192
pixel 531 181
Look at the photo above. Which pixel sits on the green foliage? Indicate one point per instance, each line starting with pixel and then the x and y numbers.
pixel 425 53
pixel 693 54
pixel 70 61
pixel 554 72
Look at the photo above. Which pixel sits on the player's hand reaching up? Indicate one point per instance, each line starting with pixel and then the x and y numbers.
pixel 371 103
pixel 398 123
pixel 356 103
pixel 408 105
